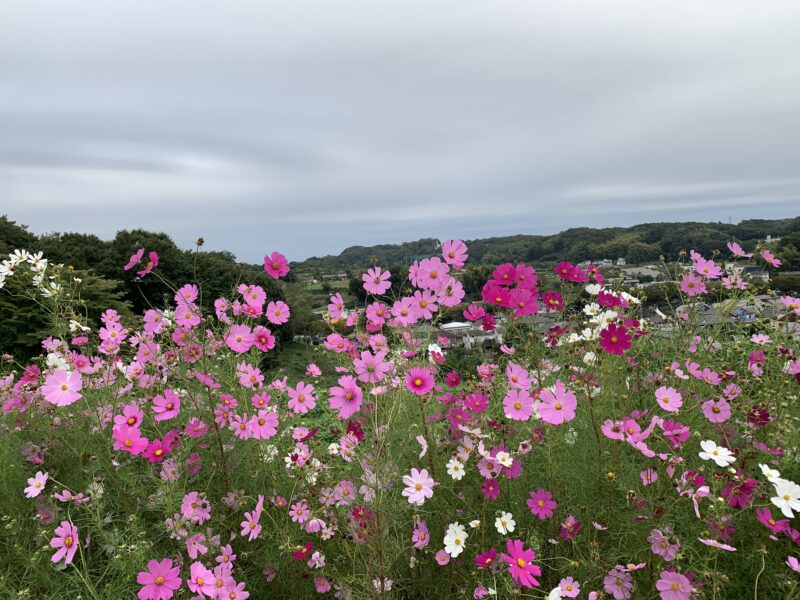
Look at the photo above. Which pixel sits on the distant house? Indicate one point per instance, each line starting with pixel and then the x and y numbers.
pixel 469 335
pixel 621 262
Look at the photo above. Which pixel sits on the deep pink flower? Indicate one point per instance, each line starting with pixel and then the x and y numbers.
pixel 129 439
pixel 570 528
pixel 542 504
pixel 765 518
pixel 160 580
pixel 491 489
pixel 615 339
pixel 419 381
pixel 520 564
pixel 167 406
pixel 66 540
pixel 201 580
pixel 484 560
pixel 276 265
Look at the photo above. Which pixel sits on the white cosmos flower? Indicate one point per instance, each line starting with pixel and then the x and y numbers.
pixel 787 497
pixel 475 524
pixel 719 454
pixel 455 539
pixel 505 523
pixel 555 594
pixel 504 458
pixel 592 309
pixel 455 469
pixel 772 475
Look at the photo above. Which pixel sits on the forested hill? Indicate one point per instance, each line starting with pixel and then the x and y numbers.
pixel 637 244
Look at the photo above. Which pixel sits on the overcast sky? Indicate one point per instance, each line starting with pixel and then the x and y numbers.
pixel 309 126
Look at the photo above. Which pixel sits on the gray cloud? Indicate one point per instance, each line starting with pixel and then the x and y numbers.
pixel 311 126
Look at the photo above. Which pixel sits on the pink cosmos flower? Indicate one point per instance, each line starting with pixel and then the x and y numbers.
pixel 432 273
pixel 484 560
pixel 418 486
pixel 518 405
pixel 736 249
pixel 276 265
pixel 454 253
pixel 474 312
pixel 520 564
pixel 669 398
pixel 372 368
pixel 765 517
pixel 518 376
pixel 793 563
pixel 570 528
pixel 649 477
pixel 404 312
pixel 376 281
pixel 278 312
pixel 36 485
pixel 160 580
pixel 201 580
pixel 557 406
pixel 717 411
pixel 692 285
pixel 542 504
pixel 491 489
pixel 66 540
pixel 673 586
pixel 195 508
pixel 251 526
pixel 419 381
pixel 263 339
pixel 569 587
pixel 62 388
pixel 239 338
pixel 662 546
pixel 716 544
pixel 615 339
pixel 336 306
pixel 301 398
pixel 263 425
pixel 129 439
pixel 618 583
pixel 151 264
pixel 346 398
pixel 134 259
pixel 769 258
pixel 167 406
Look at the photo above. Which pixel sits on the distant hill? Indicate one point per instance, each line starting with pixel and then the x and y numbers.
pixel 637 244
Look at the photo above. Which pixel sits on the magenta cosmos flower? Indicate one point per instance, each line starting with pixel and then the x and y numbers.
pixel 134 259
pixel 673 586
pixel 419 486
pixel 376 281
pixel 520 564
pixel 160 580
pixel 347 397
pixel 62 388
pixel 557 406
pixel 66 540
pixel 669 398
pixel 276 265
pixel 615 339
pixel 542 504
pixel 717 411
pixel 419 381
pixel 518 405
